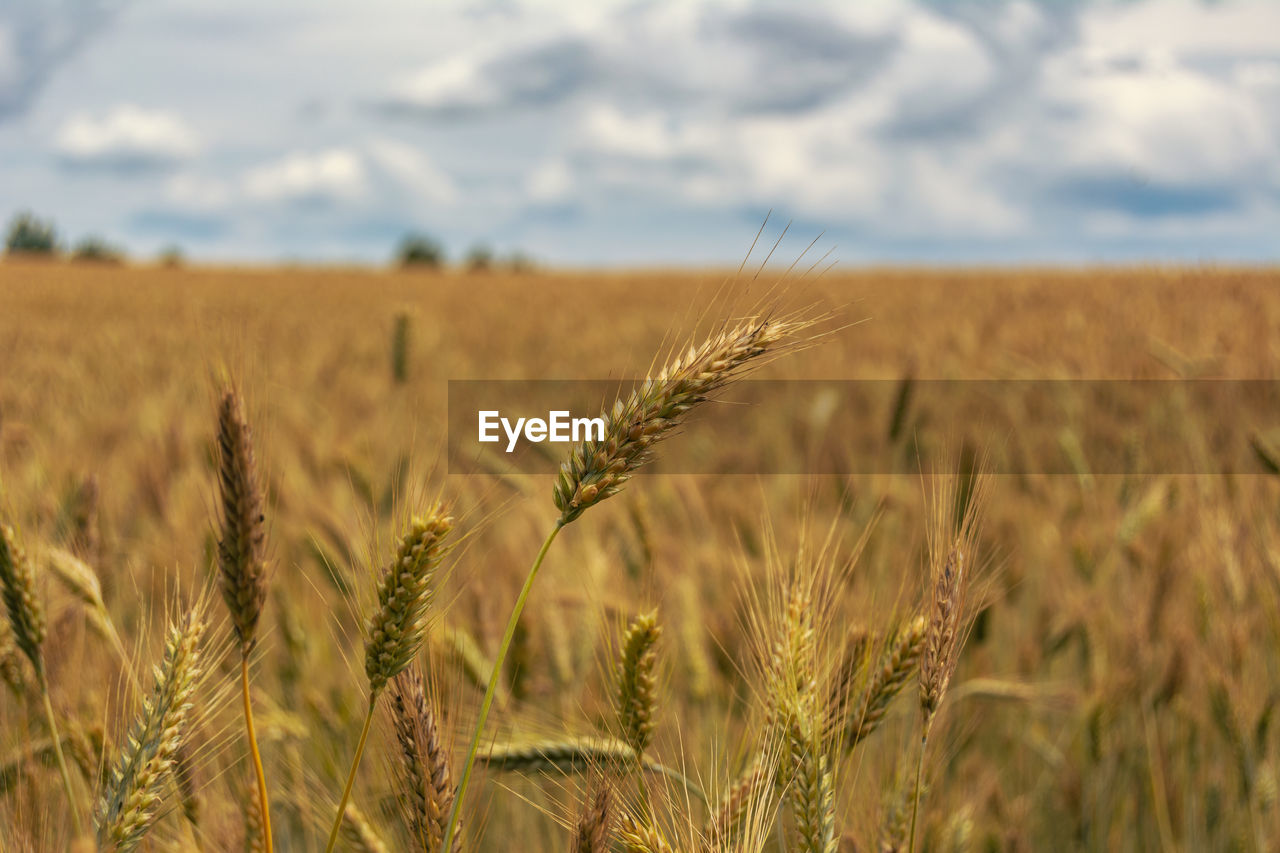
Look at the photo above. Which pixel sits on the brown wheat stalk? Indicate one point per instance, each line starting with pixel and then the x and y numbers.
pixel 242 568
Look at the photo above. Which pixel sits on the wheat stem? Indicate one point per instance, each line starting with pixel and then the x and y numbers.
pixel 492 689
pixel 263 804
pixel 57 751
pixel 351 775
pixel 915 796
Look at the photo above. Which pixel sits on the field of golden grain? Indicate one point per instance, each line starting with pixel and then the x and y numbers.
pixel 736 662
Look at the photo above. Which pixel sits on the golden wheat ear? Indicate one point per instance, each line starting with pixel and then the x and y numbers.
pixel 598 469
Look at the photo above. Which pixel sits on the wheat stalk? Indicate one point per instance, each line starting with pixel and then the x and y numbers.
pixel 398 625
pixel 957 509
pixel 637 696
pixel 242 568
pixel 127 806
pixel 575 755
pixel 641 836
pixel 79 578
pixel 423 765
pixel 27 625
pixel 896 666
pixel 594 831
pixel 10 660
pixel 735 805
pixel 18 587
pixel 359 833
pixel 597 469
pixel 812 787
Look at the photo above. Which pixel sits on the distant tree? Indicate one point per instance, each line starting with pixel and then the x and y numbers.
pixel 30 236
pixel 171 256
pixel 518 262
pixel 420 250
pixel 479 258
pixel 97 250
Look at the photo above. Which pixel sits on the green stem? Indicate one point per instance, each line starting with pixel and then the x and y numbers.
pixel 57 751
pixel 489 692
pixel 263 805
pixel 351 776
pixel 915 797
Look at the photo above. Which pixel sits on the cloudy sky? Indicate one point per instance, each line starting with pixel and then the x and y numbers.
pixel 653 131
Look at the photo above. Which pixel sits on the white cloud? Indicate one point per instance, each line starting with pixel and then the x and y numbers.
pixel 337 174
pixel 1170 124
pixel 902 123
pixel 127 137
pixel 550 182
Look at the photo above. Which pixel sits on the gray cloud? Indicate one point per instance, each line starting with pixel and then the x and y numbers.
pixel 744 61
pixel 36 36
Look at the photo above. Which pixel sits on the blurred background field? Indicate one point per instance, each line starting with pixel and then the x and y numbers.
pixel 1116 692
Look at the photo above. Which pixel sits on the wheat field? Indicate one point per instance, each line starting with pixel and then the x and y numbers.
pixel 224 488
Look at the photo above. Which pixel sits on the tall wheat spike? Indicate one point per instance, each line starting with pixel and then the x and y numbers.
pixel 127 807
pixel 27 627
pixel 597 469
pixel 397 627
pixel 242 568
pixel 952 538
